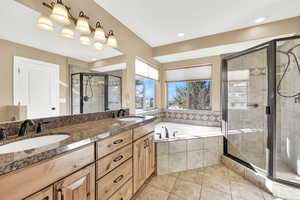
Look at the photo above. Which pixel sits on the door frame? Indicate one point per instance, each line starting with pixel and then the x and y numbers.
pixel 18 60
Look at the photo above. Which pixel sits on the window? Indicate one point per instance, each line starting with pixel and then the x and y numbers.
pixel 189 88
pixel 145 86
pixel 237 93
pixel 191 95
pixel 238 89
pixel 145 94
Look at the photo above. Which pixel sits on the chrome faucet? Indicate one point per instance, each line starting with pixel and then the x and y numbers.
pixel 24 127
pixel 119 113
pixel 167 131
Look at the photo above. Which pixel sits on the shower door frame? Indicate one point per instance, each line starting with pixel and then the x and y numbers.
pixel 271 47
pixel 106 79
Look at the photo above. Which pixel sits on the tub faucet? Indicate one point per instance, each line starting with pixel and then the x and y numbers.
pixel 167 131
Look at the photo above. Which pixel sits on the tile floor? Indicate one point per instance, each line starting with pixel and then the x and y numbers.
pixel 211 183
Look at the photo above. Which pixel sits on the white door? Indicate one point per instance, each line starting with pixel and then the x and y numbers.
pixel 36 85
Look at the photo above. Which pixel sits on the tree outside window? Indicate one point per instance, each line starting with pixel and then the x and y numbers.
pixel 191 95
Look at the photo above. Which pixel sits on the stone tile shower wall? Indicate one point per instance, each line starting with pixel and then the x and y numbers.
pixel 288 111
pixel 181 155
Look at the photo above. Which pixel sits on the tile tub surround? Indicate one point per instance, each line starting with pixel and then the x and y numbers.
pixel 210 183
pixel 12 128
pixel 181 155
pixel 80 134
pixel 261 181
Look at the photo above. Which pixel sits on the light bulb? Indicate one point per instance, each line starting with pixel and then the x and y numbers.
pixel 98 46
pixel 68 33
pixel 82 24
pixel 45 24
pixel 60 14
pixel 85 40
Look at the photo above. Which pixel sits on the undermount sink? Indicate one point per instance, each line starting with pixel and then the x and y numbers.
pixel 129 119
pixel 31 143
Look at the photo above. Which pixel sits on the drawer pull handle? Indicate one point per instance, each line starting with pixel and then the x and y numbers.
pixel 119 178
pixel 118 158
pixel 118 141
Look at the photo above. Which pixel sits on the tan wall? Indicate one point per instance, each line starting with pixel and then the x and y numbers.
pixel 215 61
pixel 9 50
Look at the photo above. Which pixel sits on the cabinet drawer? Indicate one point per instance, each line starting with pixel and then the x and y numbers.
pixel 46 194
pixel 34 178
pixel 113 143
pixel 113 160
pixel 110 183
pixel 143 130
pixel 124 193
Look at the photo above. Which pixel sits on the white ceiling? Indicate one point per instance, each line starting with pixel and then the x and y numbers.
pixel 18 24
pixel 159 21
pixel 214 51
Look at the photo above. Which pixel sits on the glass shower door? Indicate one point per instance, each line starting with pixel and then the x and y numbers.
pixel 246 97
pixel 114 93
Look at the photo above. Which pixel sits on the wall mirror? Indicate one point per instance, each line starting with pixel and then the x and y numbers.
pixel 53 73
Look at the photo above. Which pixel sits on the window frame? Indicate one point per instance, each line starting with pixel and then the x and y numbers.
pixel 155 95
pixel 193 80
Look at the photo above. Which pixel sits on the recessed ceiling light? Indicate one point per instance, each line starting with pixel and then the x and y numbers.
pixel 260 20
pixel 180 34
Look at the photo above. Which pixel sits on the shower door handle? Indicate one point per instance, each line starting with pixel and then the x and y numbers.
pixel 268 110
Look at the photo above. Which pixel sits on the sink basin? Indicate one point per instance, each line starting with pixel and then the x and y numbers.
pixel 130 119
pixel 31 143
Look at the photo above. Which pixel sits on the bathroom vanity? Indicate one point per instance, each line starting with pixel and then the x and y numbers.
pixel 102 159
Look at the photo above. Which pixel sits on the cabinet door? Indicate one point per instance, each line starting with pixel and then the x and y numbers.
pixel 139 163
pixel 46 194
pixel 78 186
pixel 150 155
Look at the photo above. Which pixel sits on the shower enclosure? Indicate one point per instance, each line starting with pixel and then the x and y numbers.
pixel 95 92
pixel 261 108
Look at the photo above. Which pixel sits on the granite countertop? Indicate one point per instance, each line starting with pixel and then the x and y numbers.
pixel 79 135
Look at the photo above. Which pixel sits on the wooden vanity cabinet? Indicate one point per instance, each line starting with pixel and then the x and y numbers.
pixel 78 186
pixel 46 194
pixel 143 160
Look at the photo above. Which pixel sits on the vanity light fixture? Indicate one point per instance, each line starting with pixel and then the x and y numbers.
pixel 85 40
pixel 45 24
pixel 98 46
pixel 99 33
pixel 82 24
pixel 60 13
pixel 68 33
pixel 112 40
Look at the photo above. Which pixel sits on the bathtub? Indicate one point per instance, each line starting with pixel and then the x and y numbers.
pixel 184 131
pixel 192 147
